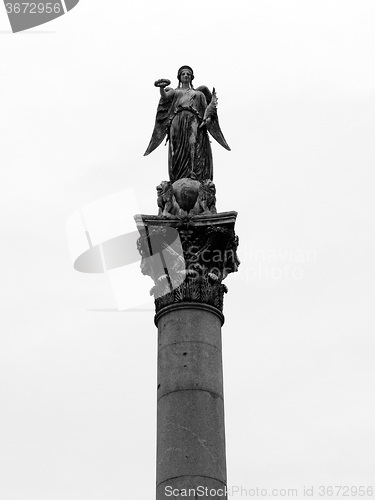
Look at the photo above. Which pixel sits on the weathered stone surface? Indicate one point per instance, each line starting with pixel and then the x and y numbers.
pixel 189 354
pixel 190 325
pixel 190 420
pixel 190 437
pixel 189 366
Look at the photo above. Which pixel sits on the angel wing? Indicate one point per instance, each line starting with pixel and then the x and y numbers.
pixel 161 124
pixel 206 91
pixel 211 112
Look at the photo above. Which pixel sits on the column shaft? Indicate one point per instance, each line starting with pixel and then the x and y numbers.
pixel 190 414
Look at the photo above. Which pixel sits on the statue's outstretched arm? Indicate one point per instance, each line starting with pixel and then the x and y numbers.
pixel 165 92
pixel 162 115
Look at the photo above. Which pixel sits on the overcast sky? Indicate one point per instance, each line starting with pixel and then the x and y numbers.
pixel 296 88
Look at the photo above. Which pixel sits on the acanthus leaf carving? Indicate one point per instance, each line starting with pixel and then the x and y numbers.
pixel 188 257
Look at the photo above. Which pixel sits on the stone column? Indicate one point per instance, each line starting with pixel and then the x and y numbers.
pixel 190 421
pixel 188 258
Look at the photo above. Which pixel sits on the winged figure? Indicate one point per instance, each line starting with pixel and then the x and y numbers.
pixel 185 115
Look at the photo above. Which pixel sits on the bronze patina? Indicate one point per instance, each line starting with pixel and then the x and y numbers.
pixel 185 116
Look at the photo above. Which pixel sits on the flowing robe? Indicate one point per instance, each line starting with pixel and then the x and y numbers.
pixel 190 152
pixel 179 117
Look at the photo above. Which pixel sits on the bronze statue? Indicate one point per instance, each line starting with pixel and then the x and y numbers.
pixel 185 115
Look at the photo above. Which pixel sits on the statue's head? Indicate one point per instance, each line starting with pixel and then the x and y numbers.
pixel 185 68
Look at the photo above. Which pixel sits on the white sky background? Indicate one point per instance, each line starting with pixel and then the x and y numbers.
pixel 296 88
